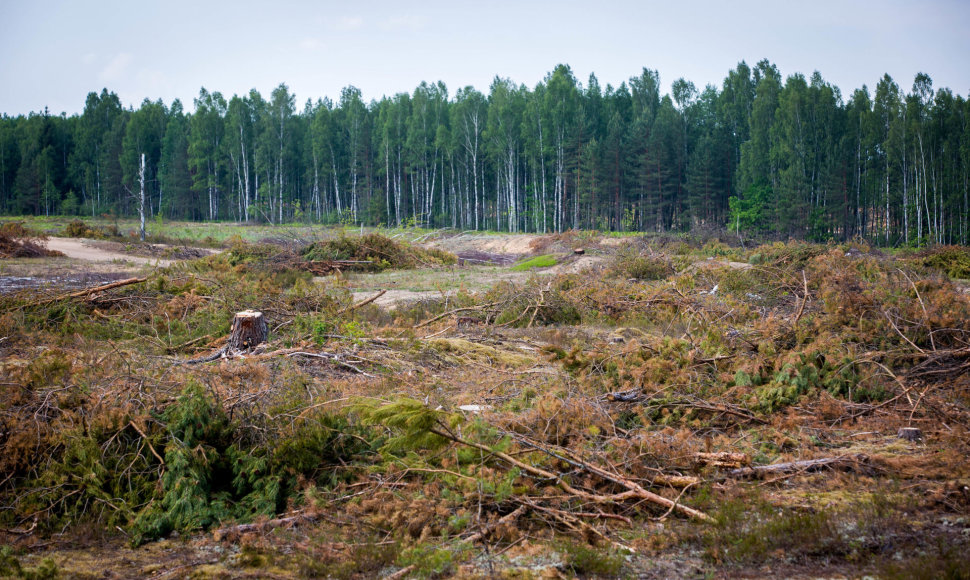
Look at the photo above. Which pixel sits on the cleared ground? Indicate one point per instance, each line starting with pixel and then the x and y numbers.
pixel 764 388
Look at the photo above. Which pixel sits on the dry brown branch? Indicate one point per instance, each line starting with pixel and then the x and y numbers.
pixel 240 529
pixel 456 310
pixel 506 519
pixel 148 442
pixel 800 466
pixel 634 490
pixel 539 304
pixel 362 303
pixel 334 359
pixel 179 347
pixel 402 573
pixel 723 459
pixel 87 291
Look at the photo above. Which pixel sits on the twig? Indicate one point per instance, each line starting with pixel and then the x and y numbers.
pixel 264 526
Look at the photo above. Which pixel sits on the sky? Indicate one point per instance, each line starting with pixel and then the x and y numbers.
pixel 54 52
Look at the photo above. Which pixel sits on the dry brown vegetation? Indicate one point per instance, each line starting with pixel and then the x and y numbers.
pixel 680 411
pixel 17 241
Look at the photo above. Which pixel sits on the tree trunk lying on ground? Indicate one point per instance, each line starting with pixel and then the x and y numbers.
pixel 806 465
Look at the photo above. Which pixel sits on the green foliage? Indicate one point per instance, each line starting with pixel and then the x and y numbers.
pixel 10 567
pixel 211 476
pixel 430 561
pixel 544 261
pixel 954 261
pixel 749 213
pixel 412 419
pixel 814 372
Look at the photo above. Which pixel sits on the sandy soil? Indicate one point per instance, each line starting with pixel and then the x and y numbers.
pixel 83 249
pixel 517 244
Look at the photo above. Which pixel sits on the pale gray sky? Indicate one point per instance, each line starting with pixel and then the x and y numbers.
pixel 52 53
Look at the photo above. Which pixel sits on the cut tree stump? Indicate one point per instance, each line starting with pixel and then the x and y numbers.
pixel 249 328
pixel 910 434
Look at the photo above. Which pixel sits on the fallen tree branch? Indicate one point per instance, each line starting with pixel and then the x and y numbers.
pixel 224 351
pixel 334 359
pixel 363 303
pixel 456 310
pixel 634 490
pixel 402 573
pixel 240 529
pixel 805 465
pixel 87 291
pixel 506 519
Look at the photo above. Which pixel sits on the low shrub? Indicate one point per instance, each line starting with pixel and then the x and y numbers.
pixel 381 251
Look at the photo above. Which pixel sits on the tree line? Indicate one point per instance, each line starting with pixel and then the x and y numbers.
pixel 759 155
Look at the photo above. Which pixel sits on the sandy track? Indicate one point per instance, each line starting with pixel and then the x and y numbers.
pixel 82 249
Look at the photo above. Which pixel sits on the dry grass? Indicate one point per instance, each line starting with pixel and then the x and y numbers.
pixel 352 419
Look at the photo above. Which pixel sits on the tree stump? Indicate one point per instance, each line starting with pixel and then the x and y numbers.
pixel 249 329
pixel 910 434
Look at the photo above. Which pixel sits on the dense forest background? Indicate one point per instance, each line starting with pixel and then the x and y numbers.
pixel 760 155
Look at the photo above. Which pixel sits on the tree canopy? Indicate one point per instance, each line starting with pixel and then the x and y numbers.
pixel 762 153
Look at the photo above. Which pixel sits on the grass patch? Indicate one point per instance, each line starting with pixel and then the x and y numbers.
pixel 544 261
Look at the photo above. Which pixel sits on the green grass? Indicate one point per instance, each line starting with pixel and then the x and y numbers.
pixel 544 261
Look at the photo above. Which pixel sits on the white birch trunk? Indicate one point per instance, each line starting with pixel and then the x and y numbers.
pixel 141 200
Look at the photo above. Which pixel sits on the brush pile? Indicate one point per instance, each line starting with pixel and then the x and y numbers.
pixel 16 241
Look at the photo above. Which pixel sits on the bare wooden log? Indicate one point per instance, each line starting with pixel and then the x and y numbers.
pixel 806 465
pixel 723 459
pixel 249 328
pixel 93 290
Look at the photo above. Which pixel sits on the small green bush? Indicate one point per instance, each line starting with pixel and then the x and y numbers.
pixel 953 261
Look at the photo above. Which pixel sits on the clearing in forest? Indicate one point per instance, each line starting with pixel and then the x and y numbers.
pixel 645 408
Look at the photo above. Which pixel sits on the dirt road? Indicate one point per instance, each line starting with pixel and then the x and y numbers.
pixel 84 250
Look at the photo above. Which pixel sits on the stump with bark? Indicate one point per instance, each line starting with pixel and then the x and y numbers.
pixel 249 328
